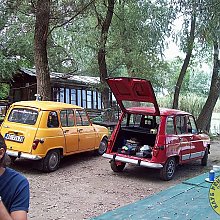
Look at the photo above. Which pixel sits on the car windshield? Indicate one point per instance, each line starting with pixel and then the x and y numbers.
pixel 128 104
pixel 23 116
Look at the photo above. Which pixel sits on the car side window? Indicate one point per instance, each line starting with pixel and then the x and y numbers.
pixel 81 118
pixel 52 121
pixel 170 126
pixel 63 118
pixel 181 124
pixel 70 118
pixel 192 125
pixel 67 118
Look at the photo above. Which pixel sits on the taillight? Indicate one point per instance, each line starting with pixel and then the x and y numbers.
pixel 155 152
pixel 35 144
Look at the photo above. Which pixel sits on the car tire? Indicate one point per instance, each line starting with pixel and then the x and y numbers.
pixel 168 170
pixel 102 146
pixel 204 160
pixel 52 161
pixel 117 168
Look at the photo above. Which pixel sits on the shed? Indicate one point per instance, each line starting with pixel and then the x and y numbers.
pixel 75 89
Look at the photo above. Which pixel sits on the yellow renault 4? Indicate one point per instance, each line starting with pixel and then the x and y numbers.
pixel 47 131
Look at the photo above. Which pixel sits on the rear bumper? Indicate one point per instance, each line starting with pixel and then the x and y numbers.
pixel 133 161
pixel 23 155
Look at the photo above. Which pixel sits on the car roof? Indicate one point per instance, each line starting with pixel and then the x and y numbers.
pixel 45 105
pixel 151 111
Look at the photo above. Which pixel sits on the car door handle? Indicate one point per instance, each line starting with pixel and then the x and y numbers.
pixel 65 131
pixel 6 126
pixel 80 129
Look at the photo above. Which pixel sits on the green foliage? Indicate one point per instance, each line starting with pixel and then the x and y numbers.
pixel 4 90
pixel 196 81
pixel 136 41
pixel 136 37
pixel 190 103
pixel 16 37
pixel 7 67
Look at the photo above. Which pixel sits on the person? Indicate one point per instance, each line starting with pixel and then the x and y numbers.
pixel 14 190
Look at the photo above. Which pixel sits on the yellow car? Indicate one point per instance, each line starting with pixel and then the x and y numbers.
pixel 47 131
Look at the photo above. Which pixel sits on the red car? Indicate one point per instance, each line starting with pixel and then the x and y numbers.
pixel 149 136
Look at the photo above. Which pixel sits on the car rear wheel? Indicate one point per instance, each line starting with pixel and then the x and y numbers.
pixel 205 158
pixel 52 161
pixel 102 146
pixel 117 167
pixel 168 170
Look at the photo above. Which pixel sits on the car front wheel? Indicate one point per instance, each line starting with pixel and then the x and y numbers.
pixel 168 170
pixel 117 167
pixel 52 161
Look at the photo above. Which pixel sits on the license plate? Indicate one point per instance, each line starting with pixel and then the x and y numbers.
pixel 15 138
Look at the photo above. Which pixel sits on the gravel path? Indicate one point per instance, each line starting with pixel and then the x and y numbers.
pixel 85 186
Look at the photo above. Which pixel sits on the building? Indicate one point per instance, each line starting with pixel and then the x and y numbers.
pixel 74 89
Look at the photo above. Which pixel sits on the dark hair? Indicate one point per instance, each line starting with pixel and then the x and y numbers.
pixel 2 145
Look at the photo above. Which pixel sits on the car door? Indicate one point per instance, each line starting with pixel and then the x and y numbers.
pixel 172 139
pixel 86 132
pixel 184 138
pixel 69 130
pixel 197 147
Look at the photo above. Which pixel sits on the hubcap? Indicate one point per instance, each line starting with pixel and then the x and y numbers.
pixel 53 160
pixel 171 168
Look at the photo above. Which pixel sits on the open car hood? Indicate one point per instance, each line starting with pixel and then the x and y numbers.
pixel 139 92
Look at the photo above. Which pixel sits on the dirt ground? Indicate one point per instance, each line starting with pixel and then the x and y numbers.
pixel 85 186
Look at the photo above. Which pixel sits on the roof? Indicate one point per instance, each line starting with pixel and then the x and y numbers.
pixel 80 79
pixel 46 105
pixel 151 110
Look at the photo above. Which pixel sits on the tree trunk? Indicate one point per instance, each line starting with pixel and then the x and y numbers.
pixel 124 39
pixel 185 63
pixel 40 49
pixel 204 118
pixel 102 52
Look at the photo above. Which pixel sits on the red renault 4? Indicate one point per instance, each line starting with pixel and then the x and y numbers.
pixel 149 136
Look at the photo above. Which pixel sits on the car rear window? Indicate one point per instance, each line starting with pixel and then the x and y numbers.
pixel 23 116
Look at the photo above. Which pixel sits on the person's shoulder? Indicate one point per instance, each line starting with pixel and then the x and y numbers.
pixel 15 174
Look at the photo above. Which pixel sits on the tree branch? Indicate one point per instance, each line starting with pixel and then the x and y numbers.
pixel 78 13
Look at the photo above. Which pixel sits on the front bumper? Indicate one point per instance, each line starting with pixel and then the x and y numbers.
pixel 23 155
pixel 133 161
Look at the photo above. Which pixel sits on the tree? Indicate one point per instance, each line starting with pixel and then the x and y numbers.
pixel 40 49
pixel 210 33
pixel 189 9
pixel 204 118
pixel 186 62
pixel 104 25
